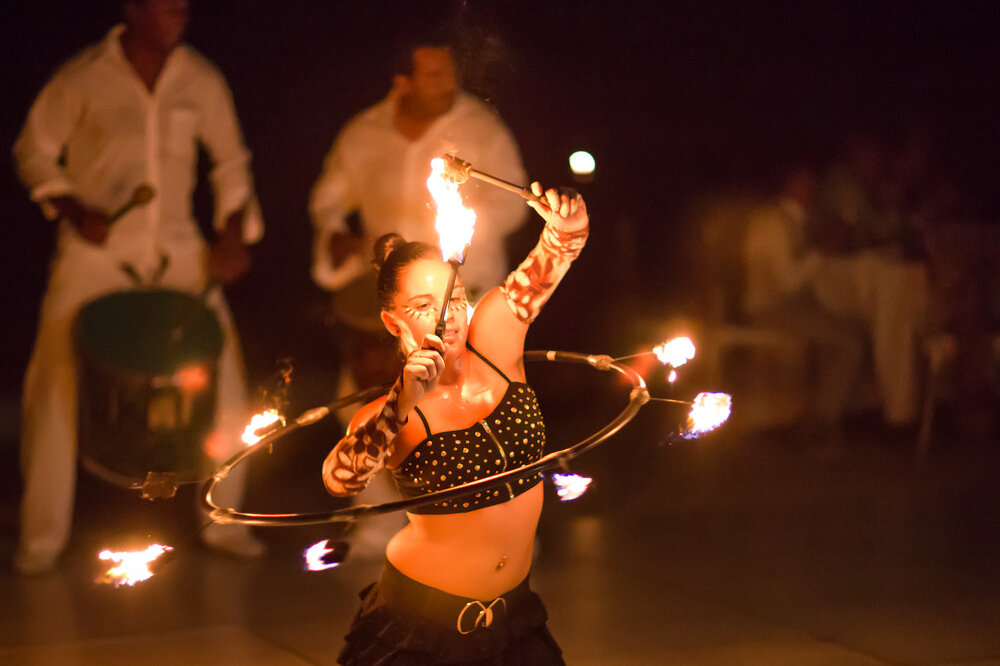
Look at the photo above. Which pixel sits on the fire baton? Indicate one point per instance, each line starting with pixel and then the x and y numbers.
pixel 459 171
pixel 439 329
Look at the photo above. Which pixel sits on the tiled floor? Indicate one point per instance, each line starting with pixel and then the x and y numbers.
pixel 736 549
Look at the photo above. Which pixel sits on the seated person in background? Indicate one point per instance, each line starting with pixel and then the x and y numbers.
pixel 780 267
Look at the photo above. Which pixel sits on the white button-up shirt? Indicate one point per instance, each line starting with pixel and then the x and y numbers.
pixel 375 170
pixel 96 132
pixel 779 266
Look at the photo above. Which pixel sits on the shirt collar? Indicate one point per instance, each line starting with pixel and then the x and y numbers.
pixel 112 48
pixel 391 101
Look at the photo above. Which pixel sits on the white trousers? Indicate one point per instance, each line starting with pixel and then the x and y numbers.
pixel 80 274
pixel 891 296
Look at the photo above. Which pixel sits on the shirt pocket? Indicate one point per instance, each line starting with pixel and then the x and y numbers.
pixel 181 131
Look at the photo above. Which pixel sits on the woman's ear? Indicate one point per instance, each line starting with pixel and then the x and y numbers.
pixel 389 321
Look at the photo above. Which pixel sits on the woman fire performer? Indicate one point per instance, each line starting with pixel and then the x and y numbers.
pixel 454 588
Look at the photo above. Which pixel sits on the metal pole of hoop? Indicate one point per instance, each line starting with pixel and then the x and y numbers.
pixel 638 396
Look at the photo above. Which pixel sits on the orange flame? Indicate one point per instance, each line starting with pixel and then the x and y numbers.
pixel 261 423
pixel 131 566
pixel 676 352
pixel 454 223
pixel 708 412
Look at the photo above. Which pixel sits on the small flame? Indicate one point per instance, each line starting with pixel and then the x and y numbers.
pixel 570 486
pixel 708 412
pixel 261 422
pixel 675 353
pixel 454 223
pixel 132 566
pixel 314 555
pixel 672 377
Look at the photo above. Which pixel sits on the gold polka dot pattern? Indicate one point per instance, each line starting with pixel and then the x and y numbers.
pixel 513 435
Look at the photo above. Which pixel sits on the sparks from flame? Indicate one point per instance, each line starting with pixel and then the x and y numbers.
pixel 708 412
pixel 570 486
pixel 454 223
pixel 314 555
pixel 259 422
pixel 132 566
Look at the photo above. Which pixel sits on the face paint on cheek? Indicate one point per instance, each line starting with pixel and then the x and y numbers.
pixel 428 314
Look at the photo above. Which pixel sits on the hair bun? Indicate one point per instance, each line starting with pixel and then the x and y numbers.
pixel 384 246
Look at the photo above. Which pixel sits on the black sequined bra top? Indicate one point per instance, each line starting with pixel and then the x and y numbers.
pixel 512 435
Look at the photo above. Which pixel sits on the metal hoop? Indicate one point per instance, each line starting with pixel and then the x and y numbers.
pixel 638 396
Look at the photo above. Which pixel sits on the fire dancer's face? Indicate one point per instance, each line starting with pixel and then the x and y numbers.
pixel 417 307
pixel 433 84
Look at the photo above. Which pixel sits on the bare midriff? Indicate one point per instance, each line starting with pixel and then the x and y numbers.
pixel 479 554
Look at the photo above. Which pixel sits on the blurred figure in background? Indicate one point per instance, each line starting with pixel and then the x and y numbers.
pixel 378 168
pixel 863 213
pixel 849 203
pixel 781 267
pixel 128 110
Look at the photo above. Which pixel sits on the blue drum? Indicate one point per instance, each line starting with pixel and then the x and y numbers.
pixel 147 384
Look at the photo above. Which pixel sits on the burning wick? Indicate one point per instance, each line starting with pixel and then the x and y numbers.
pixel 314 555
pixel 570 486
pixel 132 566
pixel 674 353
pixel 454 223
pixel 324 555
pixel 261 425
pixel 708 412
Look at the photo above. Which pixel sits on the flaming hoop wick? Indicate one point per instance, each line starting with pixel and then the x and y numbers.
pixel 454 223
pixel 131 567
pixel 261 424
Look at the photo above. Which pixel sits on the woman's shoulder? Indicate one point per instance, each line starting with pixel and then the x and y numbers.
pixel 496 333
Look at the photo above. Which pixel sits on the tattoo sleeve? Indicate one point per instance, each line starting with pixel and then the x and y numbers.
pixel 531 284
pixel 354 460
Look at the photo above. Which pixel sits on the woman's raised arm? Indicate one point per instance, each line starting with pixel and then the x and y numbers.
pixel 567 225
pixel 530 285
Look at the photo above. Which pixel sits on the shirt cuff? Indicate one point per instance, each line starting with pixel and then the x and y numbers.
pixel 253 220
pixel 41 194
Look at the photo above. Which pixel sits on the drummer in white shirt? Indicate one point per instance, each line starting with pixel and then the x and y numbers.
pixel 129 110
pixel 378 168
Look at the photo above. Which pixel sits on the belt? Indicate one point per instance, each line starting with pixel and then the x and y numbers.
pixel 464 614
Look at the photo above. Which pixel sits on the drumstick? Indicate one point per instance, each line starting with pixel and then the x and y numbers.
pixel 141 196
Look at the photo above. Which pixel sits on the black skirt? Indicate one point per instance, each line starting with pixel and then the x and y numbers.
pixel 403 622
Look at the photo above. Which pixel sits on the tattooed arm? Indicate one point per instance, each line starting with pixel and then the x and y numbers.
pixel 357 457
pixel 531 284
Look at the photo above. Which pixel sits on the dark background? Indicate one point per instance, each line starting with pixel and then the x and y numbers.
pixel 674 102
